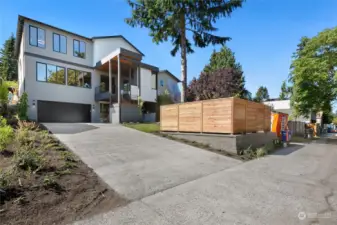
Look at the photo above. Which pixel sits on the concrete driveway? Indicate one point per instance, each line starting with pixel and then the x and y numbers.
pixel 170 183
pixel 137 164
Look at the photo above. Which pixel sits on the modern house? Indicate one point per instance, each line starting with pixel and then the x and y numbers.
pixel 170 83
pixel 73 78
pixel 284 106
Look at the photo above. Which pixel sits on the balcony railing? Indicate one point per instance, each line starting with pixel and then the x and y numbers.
pixel 102 93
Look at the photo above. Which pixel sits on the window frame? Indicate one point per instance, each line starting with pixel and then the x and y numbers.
pixel 46 73
pixel 79 48
pixel 37 37
pixel 59 44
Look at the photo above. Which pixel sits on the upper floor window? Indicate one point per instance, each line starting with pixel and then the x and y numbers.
pixel 37 37
pixel 79 78
pixel 50 73
pixel 79 49
pixel 60 43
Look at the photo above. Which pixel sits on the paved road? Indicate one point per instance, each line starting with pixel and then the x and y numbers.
pixel 202 188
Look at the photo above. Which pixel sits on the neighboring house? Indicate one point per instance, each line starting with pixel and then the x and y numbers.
pixel 168 82
pixel 283 106
pixel 72 78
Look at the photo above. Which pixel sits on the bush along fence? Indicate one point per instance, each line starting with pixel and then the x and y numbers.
pixel 224 115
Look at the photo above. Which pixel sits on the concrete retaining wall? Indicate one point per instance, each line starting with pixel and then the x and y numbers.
pixel 231 143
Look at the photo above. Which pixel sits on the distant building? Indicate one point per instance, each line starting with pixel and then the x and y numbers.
pixel 168 82
pixel 284 106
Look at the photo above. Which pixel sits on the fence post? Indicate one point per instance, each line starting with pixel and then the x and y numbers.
pixel 246 103
pixel 202 117
pixel 178 116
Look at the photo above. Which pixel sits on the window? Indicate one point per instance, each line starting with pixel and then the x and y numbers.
pixel 37 37
pixel 79 49
pixel 60 43
pixel 79 78
pixel 50 73
pixel 162 83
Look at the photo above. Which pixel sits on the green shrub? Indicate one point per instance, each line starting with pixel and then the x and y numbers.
pixel 4 179
pixel 22 137
pixel 4 93
pixel 49 181
pixel 25 125
pixel 68 156
pixel 23 106
pixel 260 152
pixel 6 134
pixel 28 159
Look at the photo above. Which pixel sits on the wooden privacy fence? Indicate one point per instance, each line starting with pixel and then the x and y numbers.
pixel 224 115
pixel 297 128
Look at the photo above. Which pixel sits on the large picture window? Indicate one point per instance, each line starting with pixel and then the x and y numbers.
pixel 79 49
pixel 79 78
pixel 50 73
pixel 60 43
pixel 37 37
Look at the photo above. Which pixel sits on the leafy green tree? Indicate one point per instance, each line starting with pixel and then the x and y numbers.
pixel 169 19
pixel 8 63
pixel 285 91
pixel 261 94
pixel 313 73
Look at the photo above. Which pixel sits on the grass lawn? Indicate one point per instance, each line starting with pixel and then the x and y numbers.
pixel 145 127
pixel 42 182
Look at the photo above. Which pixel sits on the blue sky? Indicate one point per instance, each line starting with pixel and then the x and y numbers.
pixel 264 32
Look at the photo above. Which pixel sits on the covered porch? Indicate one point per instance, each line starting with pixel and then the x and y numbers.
pixel 121 76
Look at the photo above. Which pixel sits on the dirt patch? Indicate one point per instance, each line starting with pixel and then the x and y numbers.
pixel 62 191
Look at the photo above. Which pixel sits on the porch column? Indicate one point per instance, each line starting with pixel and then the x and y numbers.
pixel 119 103
pixel 110 81
pixel 119 80
pixel 138 79
pixel 110 95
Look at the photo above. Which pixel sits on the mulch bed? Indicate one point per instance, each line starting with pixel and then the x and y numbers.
pixel 76 193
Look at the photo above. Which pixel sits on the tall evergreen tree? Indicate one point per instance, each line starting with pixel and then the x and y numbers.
pixel 8 63
pixel 169 19
pixel 223 59
pixel 285 91
pixel 261 94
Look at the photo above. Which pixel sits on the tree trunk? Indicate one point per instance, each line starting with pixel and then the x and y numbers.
pixel 183 57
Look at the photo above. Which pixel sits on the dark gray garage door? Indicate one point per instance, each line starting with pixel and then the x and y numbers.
pixel 63 112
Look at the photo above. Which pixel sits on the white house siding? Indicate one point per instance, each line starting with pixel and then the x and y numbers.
pixel 48 50
pixel 166 82
pixel 55 92
pixel 104 46
pixel 147 93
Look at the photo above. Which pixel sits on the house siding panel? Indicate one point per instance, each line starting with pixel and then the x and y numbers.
pixel 48 50
pixel 58 93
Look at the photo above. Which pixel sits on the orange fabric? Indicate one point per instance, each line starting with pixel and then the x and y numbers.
pixel 279 123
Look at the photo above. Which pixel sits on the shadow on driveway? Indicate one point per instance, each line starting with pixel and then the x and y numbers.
pixel 286 151
pixel 68 128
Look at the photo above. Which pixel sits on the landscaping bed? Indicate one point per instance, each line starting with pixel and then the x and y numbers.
pixel 42 182
pixel 246 155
